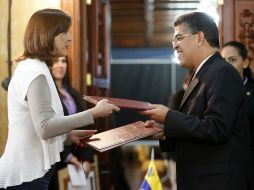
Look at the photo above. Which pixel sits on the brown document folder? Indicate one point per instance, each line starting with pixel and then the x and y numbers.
pixel 121 135
pixel 121 103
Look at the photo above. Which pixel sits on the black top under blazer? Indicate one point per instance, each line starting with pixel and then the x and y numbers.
pixel 212 143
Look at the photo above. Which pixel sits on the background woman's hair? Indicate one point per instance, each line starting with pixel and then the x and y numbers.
pixel 242 51
pixel 41 29
pixel 65 81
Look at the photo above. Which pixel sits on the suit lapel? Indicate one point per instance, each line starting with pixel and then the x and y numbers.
pixel 188 91
pixel 202 71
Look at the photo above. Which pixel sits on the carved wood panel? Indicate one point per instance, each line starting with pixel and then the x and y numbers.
pixel 244 26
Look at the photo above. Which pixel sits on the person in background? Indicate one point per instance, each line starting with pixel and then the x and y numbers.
pixel 72 103
pixel 236 54
pixel 174 102
pixel 37 128
pixel 212 141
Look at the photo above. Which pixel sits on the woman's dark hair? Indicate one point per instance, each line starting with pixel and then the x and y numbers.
pixel 40 31
pixel 242 51
pixel 66 80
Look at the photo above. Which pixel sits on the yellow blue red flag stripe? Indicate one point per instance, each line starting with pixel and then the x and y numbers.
pixel 152 180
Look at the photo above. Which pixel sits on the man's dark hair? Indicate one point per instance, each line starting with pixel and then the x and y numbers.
pixel 198 21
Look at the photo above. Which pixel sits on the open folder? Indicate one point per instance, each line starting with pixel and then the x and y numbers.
pixel 121 103
pixel 121 135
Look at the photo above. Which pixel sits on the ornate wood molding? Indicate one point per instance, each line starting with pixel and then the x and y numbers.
pixel 244 26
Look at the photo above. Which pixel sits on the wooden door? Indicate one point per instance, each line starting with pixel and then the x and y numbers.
pixel 89 59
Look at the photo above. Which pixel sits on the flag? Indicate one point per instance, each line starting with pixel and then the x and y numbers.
pixel 152 180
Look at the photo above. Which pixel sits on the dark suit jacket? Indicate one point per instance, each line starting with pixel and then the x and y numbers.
pixel 249 93
pixel 212 148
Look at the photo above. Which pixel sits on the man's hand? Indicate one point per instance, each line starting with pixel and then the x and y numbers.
pixel 157 113
pixel 159 136
pixel 152 123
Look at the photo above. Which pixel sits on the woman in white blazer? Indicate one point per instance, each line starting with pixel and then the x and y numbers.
pixel 37 128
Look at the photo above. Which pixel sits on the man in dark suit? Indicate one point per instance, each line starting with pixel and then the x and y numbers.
pixel 212 150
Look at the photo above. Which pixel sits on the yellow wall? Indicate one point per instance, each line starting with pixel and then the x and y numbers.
pixel 21 12
pixel 3 71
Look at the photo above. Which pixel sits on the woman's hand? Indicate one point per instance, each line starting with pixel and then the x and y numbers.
pixel 76 135
pixel 103 109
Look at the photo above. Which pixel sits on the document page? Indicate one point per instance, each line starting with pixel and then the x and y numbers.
pixel 121 103
pixel 77 177
pixel 121 135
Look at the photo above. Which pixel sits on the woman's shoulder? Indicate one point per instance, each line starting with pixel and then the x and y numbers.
pixel 32 65
pixel 31 60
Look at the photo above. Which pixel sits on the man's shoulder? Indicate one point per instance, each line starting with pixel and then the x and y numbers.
pixel 215 62
pixel 221 65
pixel 219 69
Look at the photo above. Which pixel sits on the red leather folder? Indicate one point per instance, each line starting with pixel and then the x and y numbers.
pixel 121 135
pixel 121 103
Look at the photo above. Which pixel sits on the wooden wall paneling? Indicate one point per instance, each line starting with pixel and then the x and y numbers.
pixel 228 21
pixel 103 78
pixel 106 41
pixel 102 86
pixel 244 26
pixel 238 24
pixel 146 23
pixel 128 23
pixel 93 43
pixel 163 28
pixel 98 66
pixel 74 58
pixel 149 24
pixel 164 14
pixel 84 47
pixel 85 32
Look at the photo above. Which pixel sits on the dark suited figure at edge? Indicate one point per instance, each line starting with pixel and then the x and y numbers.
pixel 212 146
pixel 236 54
